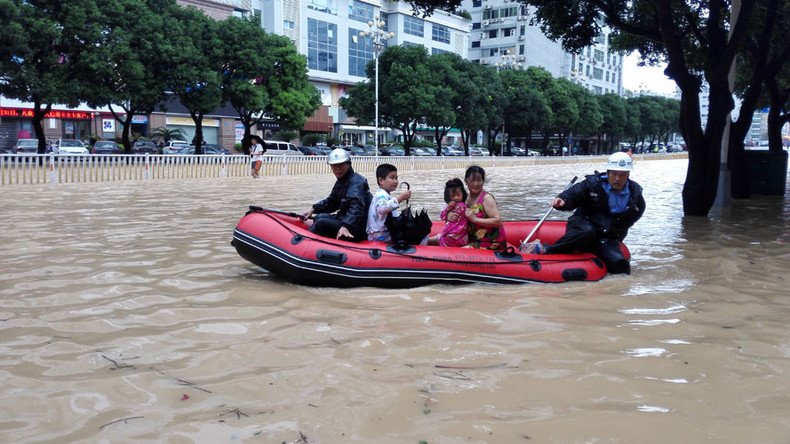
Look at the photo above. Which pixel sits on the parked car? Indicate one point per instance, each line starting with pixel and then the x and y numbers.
pixel 144 147
pixel 280 148
pixel 311 150
pixel 422 151
pixel 25 146
pixel 70 146
pixel 355 150
pixel 207 149
pixel 533 153
pixel 451 151
pixel 105 147
pixel 173 146
pixel 392 150
pixel 478 151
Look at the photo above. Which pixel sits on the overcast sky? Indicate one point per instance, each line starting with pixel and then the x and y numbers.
pixel 636 78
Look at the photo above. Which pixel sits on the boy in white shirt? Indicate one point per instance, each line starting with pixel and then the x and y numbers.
pixel 384 204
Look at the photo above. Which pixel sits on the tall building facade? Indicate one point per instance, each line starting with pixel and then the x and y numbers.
pixel 505 28
pixel 328 33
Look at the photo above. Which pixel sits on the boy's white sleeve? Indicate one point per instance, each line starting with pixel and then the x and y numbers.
pixel 385 204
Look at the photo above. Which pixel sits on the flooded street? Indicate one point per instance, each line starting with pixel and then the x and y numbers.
pixel 126 316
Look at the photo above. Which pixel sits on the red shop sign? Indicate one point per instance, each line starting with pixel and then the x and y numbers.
pixel 54 114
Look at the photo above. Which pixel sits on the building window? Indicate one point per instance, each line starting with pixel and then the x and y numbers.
pixel 288 24
pixel 477 3
pixel 598 55
pixel 476 44
pixel 440 33
pixel 409 44
pixel 520 49
pixel 508 12
pixel 507 32
pixel 492 34
pixel 493 52
pixel 490 14
pixel 523 30
pixel 597 73
pixel 360 51
pixel 435 51
pixel 321 45
pixel 413 26
pixel 328 6
pixel 476 25
pixel 361 12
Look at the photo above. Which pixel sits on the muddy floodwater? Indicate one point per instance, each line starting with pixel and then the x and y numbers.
pixel 127 317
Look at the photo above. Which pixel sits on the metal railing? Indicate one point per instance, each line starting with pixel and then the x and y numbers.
pixel 57 169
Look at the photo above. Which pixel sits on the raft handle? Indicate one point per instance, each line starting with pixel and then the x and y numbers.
pixel 331 257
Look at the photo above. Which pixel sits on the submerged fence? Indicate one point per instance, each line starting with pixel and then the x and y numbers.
pixel 48 168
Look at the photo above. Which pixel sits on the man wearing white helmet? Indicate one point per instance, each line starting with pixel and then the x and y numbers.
pixel 344 213
pixel 607 205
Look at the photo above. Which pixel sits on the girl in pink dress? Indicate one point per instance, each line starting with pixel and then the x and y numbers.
pixel 455 233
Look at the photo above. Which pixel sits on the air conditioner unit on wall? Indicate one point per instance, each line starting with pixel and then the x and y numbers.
pixel 485 22
pixel 522 17
pixel 521 58
pixel 488 7
pixel 521 38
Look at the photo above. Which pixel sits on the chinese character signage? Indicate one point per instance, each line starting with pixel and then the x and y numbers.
pixel 54 114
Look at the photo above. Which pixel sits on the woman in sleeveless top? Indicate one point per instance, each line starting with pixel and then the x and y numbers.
pixel 485 225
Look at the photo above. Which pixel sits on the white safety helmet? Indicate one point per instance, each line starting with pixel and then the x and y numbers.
pixel 620 162
pixel 337 156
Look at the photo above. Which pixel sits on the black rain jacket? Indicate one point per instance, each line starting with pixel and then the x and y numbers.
pixel 350 197
pixel 591 202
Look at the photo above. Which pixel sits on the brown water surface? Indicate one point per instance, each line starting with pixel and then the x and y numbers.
pixel 126 316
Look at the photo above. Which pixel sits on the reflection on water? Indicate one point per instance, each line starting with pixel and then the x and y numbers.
pixel 126 316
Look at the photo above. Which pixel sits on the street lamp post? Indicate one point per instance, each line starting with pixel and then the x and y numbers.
pixel 379 36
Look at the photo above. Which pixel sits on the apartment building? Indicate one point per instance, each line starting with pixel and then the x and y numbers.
pixel 328 33
pixel 503 34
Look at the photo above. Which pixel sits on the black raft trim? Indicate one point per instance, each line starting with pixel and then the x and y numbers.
pixel 331 257
pixel 574 274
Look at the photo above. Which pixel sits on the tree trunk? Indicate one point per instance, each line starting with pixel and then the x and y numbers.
pixel 775 118
pixel 198 139
pixel 38 126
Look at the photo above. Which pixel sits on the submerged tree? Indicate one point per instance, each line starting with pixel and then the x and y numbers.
pixel 264 75
pixel 46 46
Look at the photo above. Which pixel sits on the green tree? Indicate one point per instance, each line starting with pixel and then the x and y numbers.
pixel 759 73
pixel 46 45
pixel 167 134
pixel 131 66
pixel 197 70
pixel 263 74
pixel 697 39
pixel 615 118
pixel 525 107
pixel 590 114
pixel 565 110
pixel 446 79
pixel 474 99
pixel 405 91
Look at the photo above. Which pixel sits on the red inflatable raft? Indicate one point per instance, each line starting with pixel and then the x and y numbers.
pixel 280 243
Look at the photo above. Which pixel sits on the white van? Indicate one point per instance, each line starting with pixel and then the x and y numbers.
pixel 280 148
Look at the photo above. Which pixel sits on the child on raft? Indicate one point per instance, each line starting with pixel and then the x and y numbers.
pixel 383 203
pixel 455 233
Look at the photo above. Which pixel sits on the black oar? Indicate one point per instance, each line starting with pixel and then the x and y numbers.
pixel 257 209
pixel 526 245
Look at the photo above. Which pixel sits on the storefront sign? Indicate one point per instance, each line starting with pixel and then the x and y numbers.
pixel 187 121
pixel 54 114
pixel 108 125
pixel 139 119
